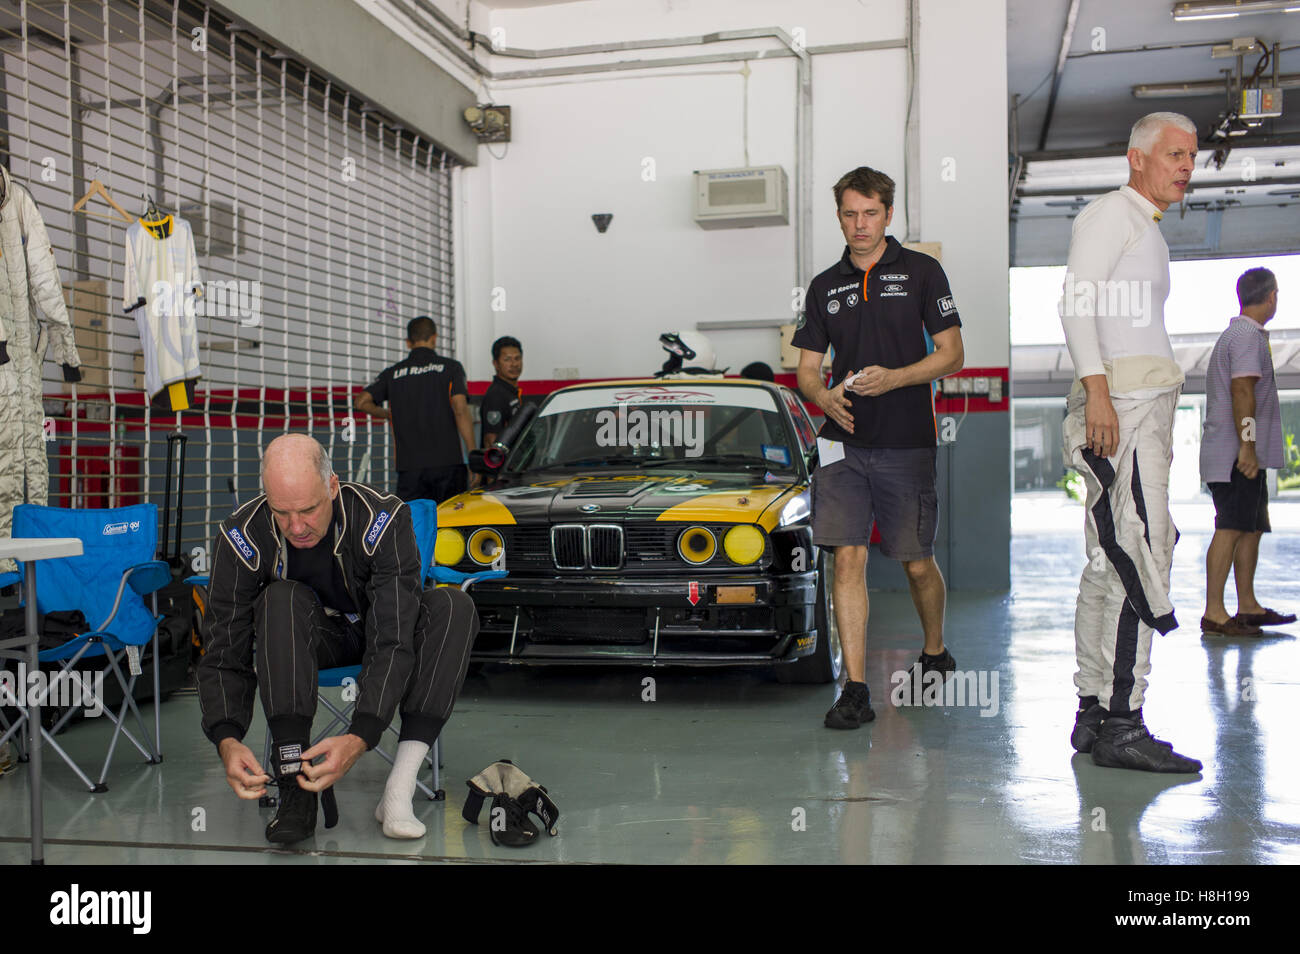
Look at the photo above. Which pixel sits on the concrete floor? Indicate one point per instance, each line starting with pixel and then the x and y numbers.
pixel 733 767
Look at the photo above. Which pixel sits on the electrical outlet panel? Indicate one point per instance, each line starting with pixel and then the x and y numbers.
pixel 967 384
pixel 980 385
pixel 995 390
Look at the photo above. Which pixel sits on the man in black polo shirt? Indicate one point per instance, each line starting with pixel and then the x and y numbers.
pixel 889 313
pixel 503 397
pixel 430 414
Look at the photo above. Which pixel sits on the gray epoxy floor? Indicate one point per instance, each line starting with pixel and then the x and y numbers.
pixel 724 765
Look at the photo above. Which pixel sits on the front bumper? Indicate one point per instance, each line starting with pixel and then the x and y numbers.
pixel 719 620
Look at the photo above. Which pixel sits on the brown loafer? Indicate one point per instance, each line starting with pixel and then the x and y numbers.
pixel 1269 617
pixel 1233 627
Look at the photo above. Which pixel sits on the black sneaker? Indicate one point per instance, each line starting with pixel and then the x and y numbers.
pixel 852 708
pixel 1087 722
pixel 295 817
pixel 942 663
pixel 1126 743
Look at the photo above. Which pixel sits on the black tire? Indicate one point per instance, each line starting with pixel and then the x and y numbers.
pixel 827 660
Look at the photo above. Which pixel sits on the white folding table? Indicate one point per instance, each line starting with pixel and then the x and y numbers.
pixel 30 550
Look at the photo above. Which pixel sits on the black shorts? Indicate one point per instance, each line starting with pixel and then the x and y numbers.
pixel 894 487
pixel 432 483
pixel 1241 503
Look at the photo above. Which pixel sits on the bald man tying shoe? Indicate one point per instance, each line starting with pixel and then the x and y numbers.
pixel 317 572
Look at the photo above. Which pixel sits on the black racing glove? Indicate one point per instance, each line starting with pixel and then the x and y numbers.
pixel 70 374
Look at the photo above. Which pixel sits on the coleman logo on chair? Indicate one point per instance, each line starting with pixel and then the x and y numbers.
pixel 110 529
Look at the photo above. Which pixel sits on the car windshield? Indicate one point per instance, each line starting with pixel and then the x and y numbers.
pixel 685 425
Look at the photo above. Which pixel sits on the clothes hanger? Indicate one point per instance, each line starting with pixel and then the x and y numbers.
pixel 152 213
pixel 97 189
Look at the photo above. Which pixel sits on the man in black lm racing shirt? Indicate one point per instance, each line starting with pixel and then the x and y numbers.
pixel 427 403
pixel 889 313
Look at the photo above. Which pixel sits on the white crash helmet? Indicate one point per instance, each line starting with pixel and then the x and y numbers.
pixel 698 342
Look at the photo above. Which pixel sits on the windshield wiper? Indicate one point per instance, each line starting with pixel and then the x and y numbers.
pixel 747 460
pixel 590 461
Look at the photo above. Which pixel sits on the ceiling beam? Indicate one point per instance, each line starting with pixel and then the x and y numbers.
pixel 1067 36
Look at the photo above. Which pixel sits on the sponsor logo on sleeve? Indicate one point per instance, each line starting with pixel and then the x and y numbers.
pixel 244 548
pixel 946 306
pixel 377 528
pixel 494 417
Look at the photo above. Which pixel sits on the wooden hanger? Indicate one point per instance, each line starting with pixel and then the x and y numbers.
pixel 97 188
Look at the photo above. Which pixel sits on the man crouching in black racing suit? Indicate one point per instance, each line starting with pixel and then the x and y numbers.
pixel 318 573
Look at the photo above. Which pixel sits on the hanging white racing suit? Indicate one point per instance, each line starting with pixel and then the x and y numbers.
pixel 1117 279
pixel 32 313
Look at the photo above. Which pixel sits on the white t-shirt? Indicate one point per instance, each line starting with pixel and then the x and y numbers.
pixel 165 272
pixel 1113 302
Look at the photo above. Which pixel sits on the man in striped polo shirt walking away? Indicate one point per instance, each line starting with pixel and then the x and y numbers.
pixel 1242 439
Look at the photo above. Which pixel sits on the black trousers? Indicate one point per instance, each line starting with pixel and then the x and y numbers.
pixel 295 639
pixel 432 483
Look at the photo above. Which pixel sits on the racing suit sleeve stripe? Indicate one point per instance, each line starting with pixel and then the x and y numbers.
pixel 226 679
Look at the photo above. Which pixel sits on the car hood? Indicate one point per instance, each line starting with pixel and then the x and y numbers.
pixel 626 495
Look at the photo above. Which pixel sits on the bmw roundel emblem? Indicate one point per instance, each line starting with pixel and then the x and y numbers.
pixel 589 508
pixel 852 299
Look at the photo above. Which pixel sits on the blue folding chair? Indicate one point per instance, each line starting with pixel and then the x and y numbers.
pixel 107 583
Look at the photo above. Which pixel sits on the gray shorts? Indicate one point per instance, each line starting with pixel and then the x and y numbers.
pixel 890 486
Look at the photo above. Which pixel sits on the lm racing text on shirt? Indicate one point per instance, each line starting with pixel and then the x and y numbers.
pixel 419 392
pixel 885 316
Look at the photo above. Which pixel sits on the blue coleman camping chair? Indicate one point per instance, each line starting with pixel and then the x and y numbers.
pixel 107 583
pixel 424 521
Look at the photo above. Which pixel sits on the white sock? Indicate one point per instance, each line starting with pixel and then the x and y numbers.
pixel 394 810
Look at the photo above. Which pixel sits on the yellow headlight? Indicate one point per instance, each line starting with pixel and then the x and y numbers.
pixel 696 545
pixel 485 546
pixel 744 544
pixel 449 548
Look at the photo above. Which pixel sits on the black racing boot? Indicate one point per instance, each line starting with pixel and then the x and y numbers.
pixel 295 816
pixel 852 709
pixel 509 824
pixel 1087 722
pixel 1126 743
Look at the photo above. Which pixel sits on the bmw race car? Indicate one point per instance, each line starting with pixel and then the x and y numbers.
pixel 651 522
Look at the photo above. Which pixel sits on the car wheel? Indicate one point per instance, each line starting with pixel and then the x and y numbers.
pixel 827 660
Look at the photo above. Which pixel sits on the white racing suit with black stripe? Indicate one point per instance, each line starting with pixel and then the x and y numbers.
pixel 1130 537
pixel 265 633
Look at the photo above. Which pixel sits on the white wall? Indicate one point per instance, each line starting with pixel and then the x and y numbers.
pixel 597 303
pixel 963 74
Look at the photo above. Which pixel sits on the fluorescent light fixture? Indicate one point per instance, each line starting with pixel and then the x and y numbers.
pixel 1200 88
pixel 1223 9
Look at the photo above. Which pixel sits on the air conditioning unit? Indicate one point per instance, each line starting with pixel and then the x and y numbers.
pixel 741 198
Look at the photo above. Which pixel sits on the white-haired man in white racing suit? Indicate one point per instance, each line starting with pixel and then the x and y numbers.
pixel 1118 435
pixel 33 314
